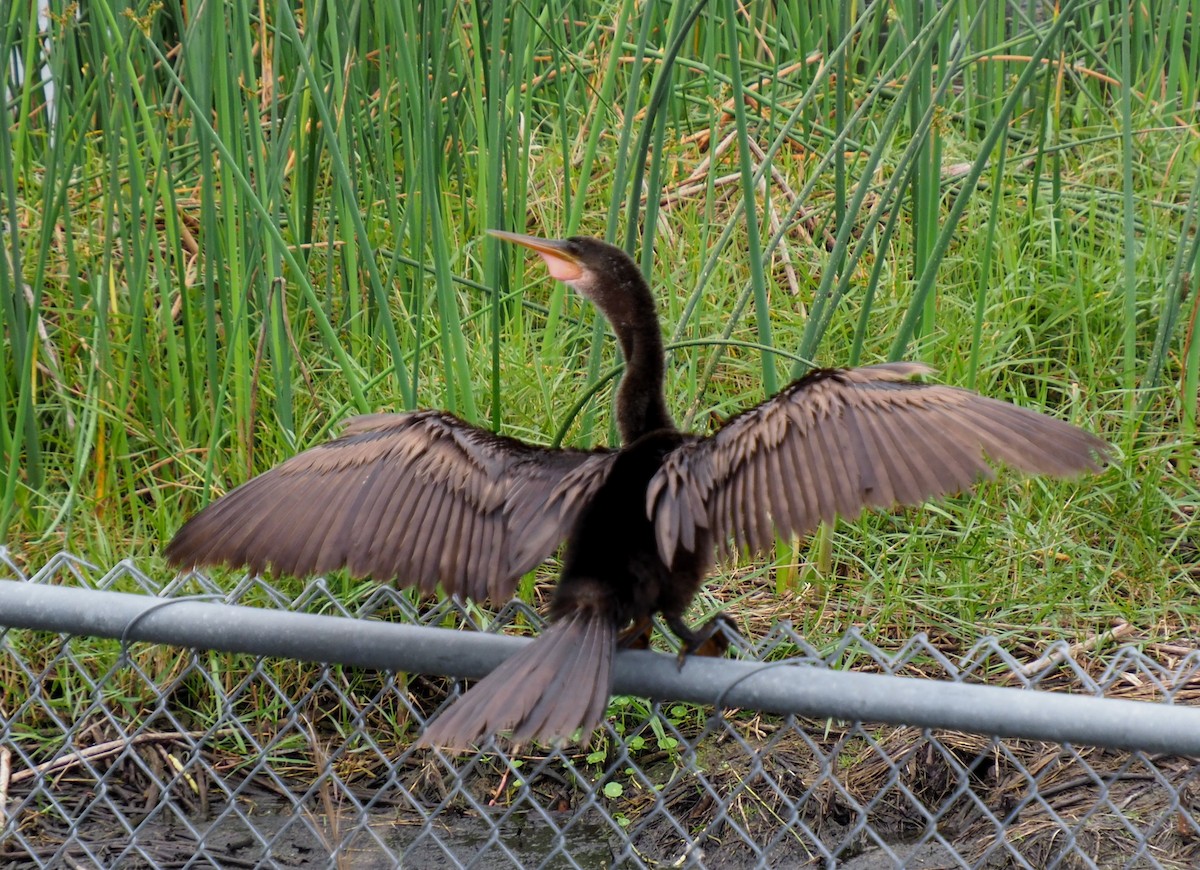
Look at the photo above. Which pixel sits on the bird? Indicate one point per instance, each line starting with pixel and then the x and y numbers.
pixel 426 499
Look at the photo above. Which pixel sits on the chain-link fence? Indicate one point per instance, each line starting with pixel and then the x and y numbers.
pixel 123 753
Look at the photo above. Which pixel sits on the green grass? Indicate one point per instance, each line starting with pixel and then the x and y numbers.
pixel 208 265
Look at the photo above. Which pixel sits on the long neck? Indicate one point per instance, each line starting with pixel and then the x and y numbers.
pixel 641 406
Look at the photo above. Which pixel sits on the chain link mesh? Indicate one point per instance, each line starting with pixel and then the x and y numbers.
pixel 145 755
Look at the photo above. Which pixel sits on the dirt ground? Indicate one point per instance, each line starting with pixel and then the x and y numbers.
pixel 267 828
pixel 231 843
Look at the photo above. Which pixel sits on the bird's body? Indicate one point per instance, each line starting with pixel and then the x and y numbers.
pixel 562 683
pixel 425 499
pixel 629 582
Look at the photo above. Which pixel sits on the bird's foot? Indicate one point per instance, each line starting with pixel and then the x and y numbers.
pixel 713 638
pixel 637 636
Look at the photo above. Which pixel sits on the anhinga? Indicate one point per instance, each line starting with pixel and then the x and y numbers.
pixel 424 498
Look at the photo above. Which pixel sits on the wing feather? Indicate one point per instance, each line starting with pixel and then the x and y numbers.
pixel 757 488
pixel 457 543
pixel 430 532
pixel 798 509
pixel 399 507
pixel 830 437
pixel 839 440
pixel 930 475
pixel 890 477
pixel 737 507
pixel 772 461
pixel 420 499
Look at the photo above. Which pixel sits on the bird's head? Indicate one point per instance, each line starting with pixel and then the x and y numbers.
pixel 596 270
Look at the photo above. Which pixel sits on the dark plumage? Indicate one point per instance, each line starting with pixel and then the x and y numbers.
pixel 425 499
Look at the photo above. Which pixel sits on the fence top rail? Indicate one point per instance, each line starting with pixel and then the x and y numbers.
pixel 777 687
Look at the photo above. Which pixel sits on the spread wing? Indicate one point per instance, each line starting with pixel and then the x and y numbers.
pixel 417 498
pixel 837 441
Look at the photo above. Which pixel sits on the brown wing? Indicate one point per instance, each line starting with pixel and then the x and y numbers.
pixel 417 498
pixel 837 441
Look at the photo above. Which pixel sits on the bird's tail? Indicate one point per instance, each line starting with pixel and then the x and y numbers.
pixel 557 685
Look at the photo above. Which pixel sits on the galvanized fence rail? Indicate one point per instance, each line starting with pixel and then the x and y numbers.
pixel 200 735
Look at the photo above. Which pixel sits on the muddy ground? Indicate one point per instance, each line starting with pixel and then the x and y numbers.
pixel 1111 812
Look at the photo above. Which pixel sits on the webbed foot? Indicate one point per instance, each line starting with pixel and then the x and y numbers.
pixel 713 638
pixel 637 636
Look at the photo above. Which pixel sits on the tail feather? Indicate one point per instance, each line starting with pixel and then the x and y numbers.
pixel 554 687
pixel 568 701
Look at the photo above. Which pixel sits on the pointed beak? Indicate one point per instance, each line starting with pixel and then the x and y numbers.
pixel 562 265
